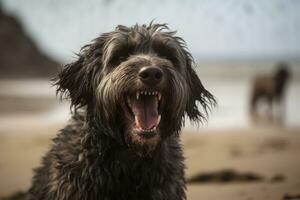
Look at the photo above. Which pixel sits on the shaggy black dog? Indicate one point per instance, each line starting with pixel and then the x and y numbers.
pixel 130 90
pixel 270 90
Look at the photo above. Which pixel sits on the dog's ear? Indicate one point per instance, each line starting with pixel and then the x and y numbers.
pixel 198 94
pixel 77 80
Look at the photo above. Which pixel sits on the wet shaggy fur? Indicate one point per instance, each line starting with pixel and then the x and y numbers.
pixel 99 155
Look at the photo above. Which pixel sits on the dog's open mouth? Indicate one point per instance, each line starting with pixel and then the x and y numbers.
pixel 144 106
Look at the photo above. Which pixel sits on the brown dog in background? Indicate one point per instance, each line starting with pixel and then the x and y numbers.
pixel 270 91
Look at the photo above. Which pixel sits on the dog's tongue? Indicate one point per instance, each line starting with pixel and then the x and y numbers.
pixel 145 111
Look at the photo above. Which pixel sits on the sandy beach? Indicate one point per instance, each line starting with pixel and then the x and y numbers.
pixel 266 153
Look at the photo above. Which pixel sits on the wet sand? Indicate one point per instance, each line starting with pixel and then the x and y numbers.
pixel 267 153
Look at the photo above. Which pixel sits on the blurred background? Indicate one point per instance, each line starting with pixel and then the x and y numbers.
pixel 248 56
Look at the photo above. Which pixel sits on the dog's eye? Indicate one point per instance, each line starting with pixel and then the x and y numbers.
pixel 115 61
pixel 172 59
pixel 122 58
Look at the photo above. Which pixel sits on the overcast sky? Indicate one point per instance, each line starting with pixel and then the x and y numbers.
pixel 211 28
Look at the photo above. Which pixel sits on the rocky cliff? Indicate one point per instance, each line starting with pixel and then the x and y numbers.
pixel 19 55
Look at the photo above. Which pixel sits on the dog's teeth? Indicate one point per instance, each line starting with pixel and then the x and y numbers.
pixel 152 93
pixel 158 120
pixel 159 96
pixel 137 95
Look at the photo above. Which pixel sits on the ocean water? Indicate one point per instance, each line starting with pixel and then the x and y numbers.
pixel 230 87
pixel 231 81
pixel 232 111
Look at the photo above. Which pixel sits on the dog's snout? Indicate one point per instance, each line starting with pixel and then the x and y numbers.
pixel 151 75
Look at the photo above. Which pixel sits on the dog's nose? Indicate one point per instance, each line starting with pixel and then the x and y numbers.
pixel 151 75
